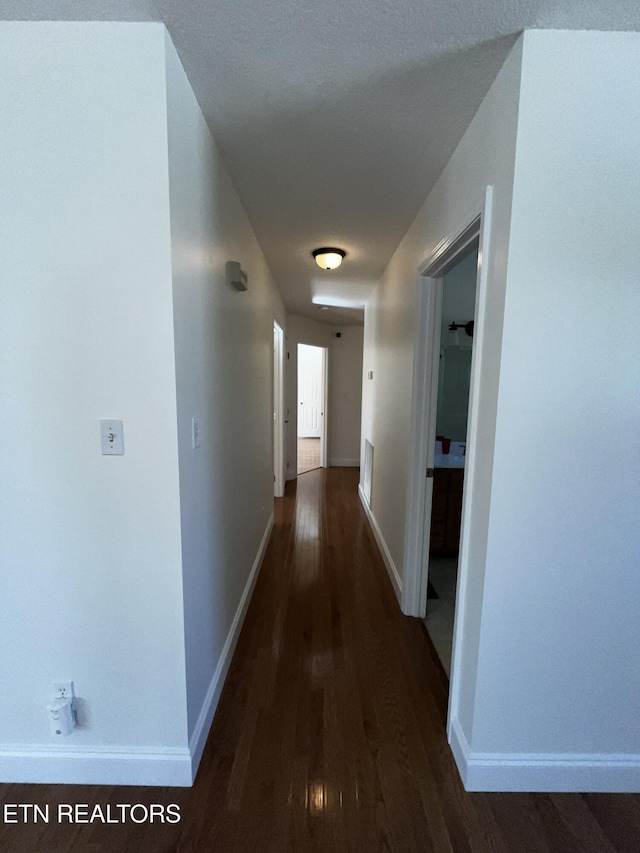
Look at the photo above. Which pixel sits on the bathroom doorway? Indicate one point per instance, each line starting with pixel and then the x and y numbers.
pixel 471 232
pixel 454 376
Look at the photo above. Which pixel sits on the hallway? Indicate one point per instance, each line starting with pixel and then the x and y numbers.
pixel 330 732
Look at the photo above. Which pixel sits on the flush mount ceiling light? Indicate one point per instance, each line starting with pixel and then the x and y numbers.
pixel 328 259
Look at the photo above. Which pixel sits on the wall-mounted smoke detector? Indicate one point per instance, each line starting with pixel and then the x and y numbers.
pixel 236 276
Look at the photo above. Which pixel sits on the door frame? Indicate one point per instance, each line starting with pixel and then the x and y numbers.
pixel 324 420
pixel 324 394
pixel 278 410
pixel 475 226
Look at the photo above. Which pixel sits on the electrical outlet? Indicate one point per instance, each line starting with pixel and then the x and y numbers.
pixel 63 690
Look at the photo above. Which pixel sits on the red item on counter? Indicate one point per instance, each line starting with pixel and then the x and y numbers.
pixel 446 443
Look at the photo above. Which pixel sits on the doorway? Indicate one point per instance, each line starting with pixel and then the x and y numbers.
pixel 278 410
pixel 473 230
pixel 311 407
pixel 457 323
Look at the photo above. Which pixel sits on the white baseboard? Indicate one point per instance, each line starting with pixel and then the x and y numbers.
pixel 382 545
pixel 205 718
pixel 554 772
pixel 129 765
pixel 344 463
pixel 75 765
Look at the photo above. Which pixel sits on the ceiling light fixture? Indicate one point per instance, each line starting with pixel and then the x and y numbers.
pixel 328 259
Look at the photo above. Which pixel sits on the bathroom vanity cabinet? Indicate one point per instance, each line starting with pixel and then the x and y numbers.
pixel 446 509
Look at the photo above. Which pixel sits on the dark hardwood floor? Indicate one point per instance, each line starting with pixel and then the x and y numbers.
pixel 330 732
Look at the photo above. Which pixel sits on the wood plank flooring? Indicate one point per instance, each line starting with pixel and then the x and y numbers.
pixel 330 733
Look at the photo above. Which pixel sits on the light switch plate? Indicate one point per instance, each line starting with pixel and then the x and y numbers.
pixel 111 438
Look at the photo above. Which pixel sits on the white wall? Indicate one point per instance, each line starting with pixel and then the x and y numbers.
pixel 127 574
pixel 560 647
pixel 345 381
pixel 224 366
pixel 485 155
pixel 544 686
pixel 90 578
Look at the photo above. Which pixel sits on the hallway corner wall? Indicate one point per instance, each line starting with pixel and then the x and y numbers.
pixel 546 647
pixel 91 584
pixel 224 371
pixel 345 394
pixel 560 647
pixel 484 156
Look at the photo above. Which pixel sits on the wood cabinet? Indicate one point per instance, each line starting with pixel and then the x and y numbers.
pixel 446 509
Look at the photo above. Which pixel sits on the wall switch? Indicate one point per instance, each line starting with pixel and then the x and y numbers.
pixel 195 432
pixel 111 438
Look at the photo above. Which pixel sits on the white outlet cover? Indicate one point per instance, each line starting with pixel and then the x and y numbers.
pixel 63 690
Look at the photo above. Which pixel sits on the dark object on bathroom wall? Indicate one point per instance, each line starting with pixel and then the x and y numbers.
pixel 338 334
pixel 468 327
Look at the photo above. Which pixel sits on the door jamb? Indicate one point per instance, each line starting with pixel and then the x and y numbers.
pixel 324 419
pixel 324 415
pixel 278 411
pixel 477 225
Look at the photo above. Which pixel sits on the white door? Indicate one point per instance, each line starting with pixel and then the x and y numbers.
pixel 310 391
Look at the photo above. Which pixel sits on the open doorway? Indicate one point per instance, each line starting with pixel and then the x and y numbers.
pixel 471 232
pixel 311 407
pixel 278 411
pixel 454 377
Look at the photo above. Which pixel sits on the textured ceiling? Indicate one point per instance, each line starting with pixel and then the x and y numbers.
pixel 335 118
